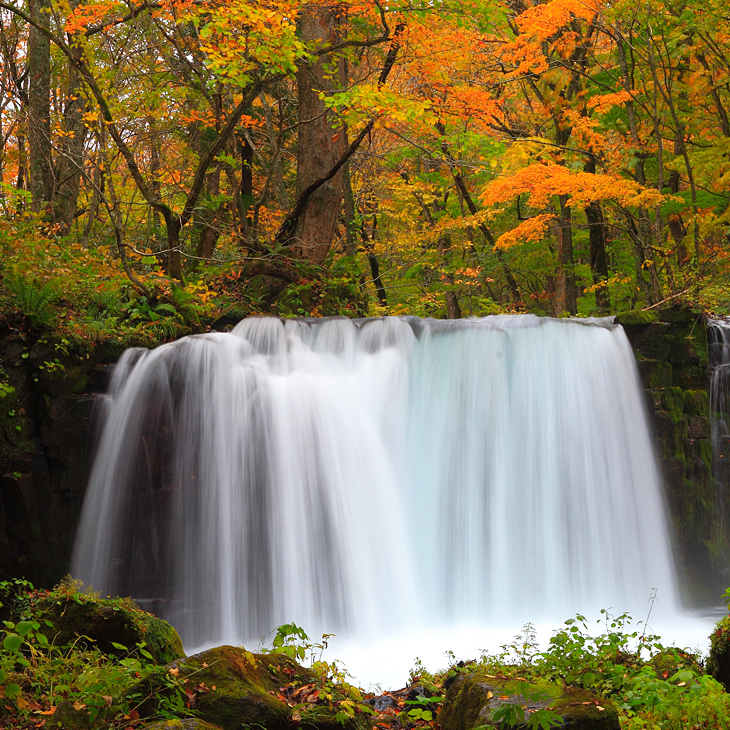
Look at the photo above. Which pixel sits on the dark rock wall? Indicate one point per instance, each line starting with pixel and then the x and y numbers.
pixel 671 352
pixel 47 439
pixel 46 444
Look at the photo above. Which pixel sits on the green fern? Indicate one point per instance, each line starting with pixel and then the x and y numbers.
pixel 31 298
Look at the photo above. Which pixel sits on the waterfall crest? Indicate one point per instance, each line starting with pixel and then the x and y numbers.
pixel 359 476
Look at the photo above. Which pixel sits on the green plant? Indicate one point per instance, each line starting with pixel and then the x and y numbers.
pixel 36 674
pixel 31 297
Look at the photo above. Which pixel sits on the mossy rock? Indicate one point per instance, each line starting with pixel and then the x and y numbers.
pixel 67 717
pixel 718 661
pixel 472 700
pixel 78 618
pixel 637 316
pixel 670 661
pixel 231 687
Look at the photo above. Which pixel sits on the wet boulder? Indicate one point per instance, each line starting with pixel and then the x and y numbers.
pixel 718 661
pixel 85 619
pixel 478 699
pixel 231 687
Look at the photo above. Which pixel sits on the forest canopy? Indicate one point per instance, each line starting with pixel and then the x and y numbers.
pixel 164 164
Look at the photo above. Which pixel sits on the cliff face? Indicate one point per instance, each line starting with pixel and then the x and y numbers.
pixel 51 398
pixel 47 433
pixel 672 355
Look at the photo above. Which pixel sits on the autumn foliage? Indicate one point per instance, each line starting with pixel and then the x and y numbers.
pixel 568 156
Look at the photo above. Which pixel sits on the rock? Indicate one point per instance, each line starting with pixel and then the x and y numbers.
pixel 230 687
pixel 67 717
pixel 473 699
pixel 105 621
pixel 718 661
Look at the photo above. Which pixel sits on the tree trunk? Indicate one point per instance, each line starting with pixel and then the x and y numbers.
pixel 453 310
pixel 320 137
pixel 599 261
pixel 597 239
pixel 565 285
pixel 71 159
pixel 39 109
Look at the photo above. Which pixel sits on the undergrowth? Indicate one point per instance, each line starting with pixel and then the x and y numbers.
pixel 39 678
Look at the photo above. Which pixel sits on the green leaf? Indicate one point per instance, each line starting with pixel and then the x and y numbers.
pixel 166 308
pixel 12 642
pixel 121 647
pixel 151 260
pixel 12 690
pixel 25 627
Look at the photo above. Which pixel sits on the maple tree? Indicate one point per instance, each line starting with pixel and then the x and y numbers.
pixel 473 157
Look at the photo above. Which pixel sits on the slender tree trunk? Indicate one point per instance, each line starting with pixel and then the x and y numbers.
pixel 320 137
pixel 599 260
pixel 565 285
pixel 369 242
pixel 453 310
pixel 71 158
pixel 39 109
pixel 349 200
pixel 597 240
pixel 97 182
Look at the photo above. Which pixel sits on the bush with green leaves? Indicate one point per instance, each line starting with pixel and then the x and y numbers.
pixel 37 676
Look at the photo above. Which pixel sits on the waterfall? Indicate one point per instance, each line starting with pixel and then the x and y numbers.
pixel 718 345
pixel 363 476
pixel 718 341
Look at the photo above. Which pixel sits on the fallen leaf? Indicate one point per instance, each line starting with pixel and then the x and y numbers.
pixel 107 700
pixel 79 705
pixel 296 717
pixel 46 712
pixel 490 695
pixel 599 708
pixel 174 671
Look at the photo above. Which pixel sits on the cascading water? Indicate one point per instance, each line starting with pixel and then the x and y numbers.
pixel 718 341
pixel 362 477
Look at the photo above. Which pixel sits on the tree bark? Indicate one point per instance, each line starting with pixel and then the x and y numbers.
pixel 565 284
pixel 71 158
pixel 40 161
pixel 597 240
pixel 320 137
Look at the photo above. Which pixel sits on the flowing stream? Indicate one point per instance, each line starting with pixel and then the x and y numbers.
pixel 371 477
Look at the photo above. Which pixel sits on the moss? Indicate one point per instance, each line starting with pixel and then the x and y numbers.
pixel 232 687
pixel 637 317
pixel 673 402
pixel 472 698
pixel 657 373
pixel 104 621
pixel 696 402
pixel 718 660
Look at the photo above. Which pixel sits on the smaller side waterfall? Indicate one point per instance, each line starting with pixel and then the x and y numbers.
pixel 718 344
